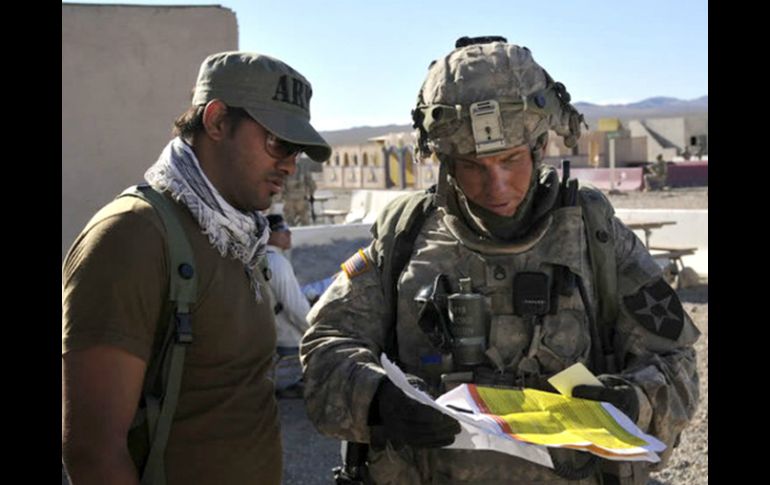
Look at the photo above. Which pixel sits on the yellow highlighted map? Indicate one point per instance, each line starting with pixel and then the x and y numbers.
pixel 545 418
pixel 526 422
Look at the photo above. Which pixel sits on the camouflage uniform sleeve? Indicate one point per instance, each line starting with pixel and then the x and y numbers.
pixel 311 185
pixel 654 342
pixel 340 353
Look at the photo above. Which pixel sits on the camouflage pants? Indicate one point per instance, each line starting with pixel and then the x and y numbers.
pixel 296 212
pixel 653 182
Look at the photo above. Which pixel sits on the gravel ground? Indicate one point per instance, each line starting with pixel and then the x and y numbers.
pixel 308 456
pixel 679 198
pixel 689 462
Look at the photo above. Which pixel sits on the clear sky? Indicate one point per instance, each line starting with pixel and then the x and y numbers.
pixel 366 59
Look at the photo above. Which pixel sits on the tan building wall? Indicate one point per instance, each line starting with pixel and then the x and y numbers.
pixel 592 150
pixel 354 166
pixel 127 73
pixel 427 173
pixel 578 156
pixel 372 165
pixel 672 136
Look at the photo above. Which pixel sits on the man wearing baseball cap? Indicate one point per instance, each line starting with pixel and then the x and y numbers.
pixel 249 121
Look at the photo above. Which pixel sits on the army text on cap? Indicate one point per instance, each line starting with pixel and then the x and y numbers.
pixel 299 95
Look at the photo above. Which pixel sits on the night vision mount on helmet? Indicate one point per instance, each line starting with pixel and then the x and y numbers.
pixel 486 96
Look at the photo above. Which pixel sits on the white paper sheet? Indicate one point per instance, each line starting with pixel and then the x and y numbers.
pixel 476 433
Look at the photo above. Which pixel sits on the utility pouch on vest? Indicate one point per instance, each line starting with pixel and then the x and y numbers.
pixel 531 294
pixel 433 318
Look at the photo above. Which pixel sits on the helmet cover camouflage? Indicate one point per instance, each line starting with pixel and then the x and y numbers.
pixel 530 101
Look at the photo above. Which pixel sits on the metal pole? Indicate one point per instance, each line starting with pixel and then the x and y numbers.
pixel 612 163
pixel 402 162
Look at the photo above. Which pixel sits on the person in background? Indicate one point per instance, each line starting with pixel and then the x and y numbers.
pixel 656 178
pixel 290 307
pixel 297 196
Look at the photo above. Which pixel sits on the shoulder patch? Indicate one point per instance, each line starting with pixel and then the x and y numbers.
pixel 657 308
pixel 356 264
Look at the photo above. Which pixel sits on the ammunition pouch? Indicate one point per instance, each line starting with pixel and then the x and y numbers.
pixel 433 317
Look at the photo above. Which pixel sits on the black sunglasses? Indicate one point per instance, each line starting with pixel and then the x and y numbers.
pixel 280 149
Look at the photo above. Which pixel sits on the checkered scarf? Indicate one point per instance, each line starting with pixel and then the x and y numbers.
pixel 233 233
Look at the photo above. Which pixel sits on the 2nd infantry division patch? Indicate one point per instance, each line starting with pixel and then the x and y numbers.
pixel 657 308
pixel 356 264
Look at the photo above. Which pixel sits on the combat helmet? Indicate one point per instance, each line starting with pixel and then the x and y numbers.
pixel 487 96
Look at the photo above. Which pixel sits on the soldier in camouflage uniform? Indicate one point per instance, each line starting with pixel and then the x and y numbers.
pixel 656 178
pixel 298 190
pixel 503 224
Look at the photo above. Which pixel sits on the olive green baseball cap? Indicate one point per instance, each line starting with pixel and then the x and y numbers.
pixel 274 94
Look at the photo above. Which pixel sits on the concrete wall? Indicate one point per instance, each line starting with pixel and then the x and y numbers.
pixel 318 250
pixel 699 128
pixel 127 73
pixel 691 228
pixel 656 145
pixel 697 125
pixel 622 178
pixel 678 131
pixel 631 149
pixel 671 129
pixel 313 235
pixel 593 149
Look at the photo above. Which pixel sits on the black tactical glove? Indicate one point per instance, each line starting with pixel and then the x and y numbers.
pixel 615 391
pixel 401 420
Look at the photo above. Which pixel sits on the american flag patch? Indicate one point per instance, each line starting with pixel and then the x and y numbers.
pixel 356 264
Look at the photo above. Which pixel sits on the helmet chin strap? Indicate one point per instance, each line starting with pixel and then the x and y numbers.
pixel 486 223
pixel 442 186
pixel 537 152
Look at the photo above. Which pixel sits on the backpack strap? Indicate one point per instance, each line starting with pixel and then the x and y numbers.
pixel 168 364
pixel 597 216
pixel 398 227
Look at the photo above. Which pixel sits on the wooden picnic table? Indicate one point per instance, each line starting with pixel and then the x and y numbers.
pixel 326 216
pixel 647 227
pixel 672 254
pixel 323 198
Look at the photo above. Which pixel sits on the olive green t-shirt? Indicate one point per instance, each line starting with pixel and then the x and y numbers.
pixel 114 288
